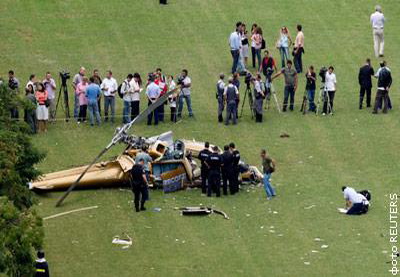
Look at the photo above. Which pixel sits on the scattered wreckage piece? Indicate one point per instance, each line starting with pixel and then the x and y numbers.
pixel 124 242
pixel 70 212
pixel 202 211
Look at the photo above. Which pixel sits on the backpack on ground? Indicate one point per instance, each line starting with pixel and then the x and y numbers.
pixel 366 193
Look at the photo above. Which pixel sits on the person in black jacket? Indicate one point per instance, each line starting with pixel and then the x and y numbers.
pixel 203 156
pixel 236 171
pixel 139 185
pixel 364 79
pixel 41 266
pixel 227 171
pixel 214 163
pixel 384 82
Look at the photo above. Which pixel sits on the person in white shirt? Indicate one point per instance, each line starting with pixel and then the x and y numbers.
pixel 355 202
pixel 109 86
pixel 235 45
pixel 153 92
pixel 298 49
pixel 185 94
pixel 377 20
pixel 50 87
pixel 136 84
pixel 172 98
pixel 330 89
pixel 220 96
pixel 126 91
pixel 32 81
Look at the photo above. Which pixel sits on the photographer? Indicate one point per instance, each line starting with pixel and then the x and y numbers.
pixel 384 82
pixel 109 86
pixel 259 97
pixel 13 84
pixel 290 84
pixel 77 79
pixel 330 89
pixel 50 86
pixel 220 96
pixel 185 83
pixel 230 95
pixel 310 88
pixel 267 67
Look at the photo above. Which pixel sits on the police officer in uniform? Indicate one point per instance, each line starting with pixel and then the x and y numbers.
pixel 227 171
pixel 203 156
pixel 235 165
pixel 220 96
pixel 41 265
pixel 231 93
pixel 139 185
pixel 259 97
pixel 214 163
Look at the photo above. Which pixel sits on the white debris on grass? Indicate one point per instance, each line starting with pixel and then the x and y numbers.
pixel 309 207
pixel 324 246
pixel 314 251
pixel 272 231
pixel 275 212
pixel 280 235
pixel 262 227
pixel 318 239
pixel 247 215
pixel 307 263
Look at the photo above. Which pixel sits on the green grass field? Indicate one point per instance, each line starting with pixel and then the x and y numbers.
pixel 262 238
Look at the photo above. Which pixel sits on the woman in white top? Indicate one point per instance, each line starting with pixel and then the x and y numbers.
pixel 136 84
pixel 330 89
pixel 257 38
pixel 283 44
pixel 245 43
pixel 253 44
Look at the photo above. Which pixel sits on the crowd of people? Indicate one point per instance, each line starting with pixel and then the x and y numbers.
pixel 90 92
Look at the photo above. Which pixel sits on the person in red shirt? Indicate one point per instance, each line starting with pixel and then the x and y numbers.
pixel 267 67
pixel 42 111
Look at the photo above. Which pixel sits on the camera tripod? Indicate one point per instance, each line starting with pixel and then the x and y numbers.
pixel 324 96
pixel 304 104
pixel 269 86
pixel 248 92
pixel 63 93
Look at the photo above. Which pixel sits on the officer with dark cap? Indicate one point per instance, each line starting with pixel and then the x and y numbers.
pixel 214 163
pixel 139 185
pixel 203 156
pixel 236 171
pixel 227 171
pixel 42 267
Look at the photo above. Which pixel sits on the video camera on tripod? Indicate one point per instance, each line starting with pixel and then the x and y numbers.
pixel 64 76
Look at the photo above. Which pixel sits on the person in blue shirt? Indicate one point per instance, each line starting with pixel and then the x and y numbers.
pixel 235 45
pixel 153 92
pixel 93 93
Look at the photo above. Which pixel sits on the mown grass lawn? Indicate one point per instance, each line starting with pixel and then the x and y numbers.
pixel 262 238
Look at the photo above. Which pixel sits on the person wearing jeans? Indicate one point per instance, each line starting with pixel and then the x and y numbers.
pixel 127 92
pixel 93 93
pixel 298 50
pixel 310 88
pixel 283 45
pixel 153 92
pixel 257 38
pixel 290 84
pixel 185 94
pixel 235 45
pixel 109 86
pixel 268 168
pixel 75 82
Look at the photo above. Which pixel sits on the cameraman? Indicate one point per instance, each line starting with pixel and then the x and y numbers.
pixel 13 84
pixel 330 89
pixel 220 96
pixel 290 84
pixel 185 84
pixel 267 67
pixel 310 88
pixel 259 96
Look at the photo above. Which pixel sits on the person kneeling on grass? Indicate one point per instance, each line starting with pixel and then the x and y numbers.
pixel 139 185
pixel 268 168
pixel 356 203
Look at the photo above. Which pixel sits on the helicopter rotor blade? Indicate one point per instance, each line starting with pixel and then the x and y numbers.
pixel 117 138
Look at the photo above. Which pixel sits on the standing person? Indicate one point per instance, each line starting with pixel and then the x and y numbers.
pixel 364 79
pixel 161 82
pixel 203 156
pixel 42 112
pixel 172 98
pixel 236 169
pixel 32 81
pixel 227 172
pixel 93 93
pixel 245 44
pixel 13 85
pixel 41 265
pixel 126 91
pixel 214 163
pixel 283 43
pixel 77 79
pixel 139 185
pixel 220 96
pixel 377 20
pixel 136 84
pixel 290 84
pixel 259 97
pixel 30 113
pixel 253 45
pixel 236 83
pixel 355 202
pixel 257 38
pixel 268 166
pixel 298 49
pixel 384 82
pixel 310 88
pixel 231 94
pixel 153 92
pixel 330 88
pixel 268 67
pixel 144 155
pixel 186 85
pixel 109 86
pixel 97 81
pixel 235 46
pixel 50 87
pixel 83 101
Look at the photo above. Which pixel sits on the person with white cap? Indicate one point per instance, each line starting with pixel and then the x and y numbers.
pixel 378 21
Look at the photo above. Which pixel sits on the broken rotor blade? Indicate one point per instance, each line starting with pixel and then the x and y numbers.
pixel 117 138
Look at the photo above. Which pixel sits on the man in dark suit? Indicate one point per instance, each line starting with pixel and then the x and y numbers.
pixel 364 79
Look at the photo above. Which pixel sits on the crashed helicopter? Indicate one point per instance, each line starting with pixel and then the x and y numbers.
pixel 173 168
